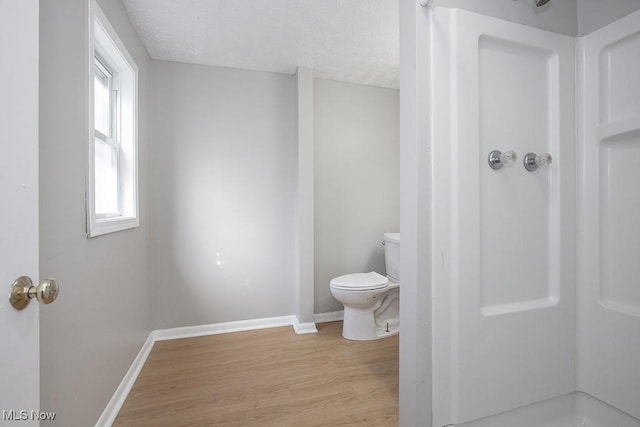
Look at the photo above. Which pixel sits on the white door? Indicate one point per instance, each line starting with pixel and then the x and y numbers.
pixel 503 267
pixel 19 349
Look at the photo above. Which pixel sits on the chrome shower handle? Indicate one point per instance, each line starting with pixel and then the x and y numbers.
pixel 532 161
pixel 498 159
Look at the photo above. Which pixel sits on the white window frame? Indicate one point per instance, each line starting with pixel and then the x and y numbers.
pixel 105 44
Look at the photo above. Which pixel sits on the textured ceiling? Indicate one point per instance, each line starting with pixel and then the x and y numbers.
pixel 347 40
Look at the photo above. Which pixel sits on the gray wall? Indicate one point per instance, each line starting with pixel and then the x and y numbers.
pixel 559 16
pixel 357 181
pixel 92 333
pixel 593 14
pixel 223 195
pixel 570 17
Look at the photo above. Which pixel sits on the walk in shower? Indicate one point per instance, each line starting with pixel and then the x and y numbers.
pixel 536 262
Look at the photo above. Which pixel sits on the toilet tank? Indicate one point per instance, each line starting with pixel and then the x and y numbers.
pixel 392 255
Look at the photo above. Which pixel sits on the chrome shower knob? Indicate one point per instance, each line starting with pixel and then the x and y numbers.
pixel 532 161
pixel 498 159
pixel 23 291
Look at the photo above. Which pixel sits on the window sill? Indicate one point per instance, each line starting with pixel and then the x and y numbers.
pixel 111 225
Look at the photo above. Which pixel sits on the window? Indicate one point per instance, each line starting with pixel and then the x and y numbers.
pixel 112 195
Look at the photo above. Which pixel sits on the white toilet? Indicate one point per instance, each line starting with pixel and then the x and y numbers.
pixel 371 301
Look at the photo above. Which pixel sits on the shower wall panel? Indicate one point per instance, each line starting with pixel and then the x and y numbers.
pixel 504 240
pixel 609 201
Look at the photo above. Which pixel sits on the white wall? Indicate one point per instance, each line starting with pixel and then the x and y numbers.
pixel 593 14
pixel 415 376
pixel 357 181
pixel 559 16
pixel 223 195
pixel 93 331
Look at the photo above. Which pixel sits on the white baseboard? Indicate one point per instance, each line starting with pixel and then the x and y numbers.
pixel 117 400
pixel 304 328
pixel 333 316
pixel 223 328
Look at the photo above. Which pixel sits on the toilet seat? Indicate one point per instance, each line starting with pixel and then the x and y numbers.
pixel 360 282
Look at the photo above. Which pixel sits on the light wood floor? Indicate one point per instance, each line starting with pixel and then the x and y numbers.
pixel 269 377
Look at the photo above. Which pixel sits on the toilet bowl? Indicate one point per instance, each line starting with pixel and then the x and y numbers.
pixel 371 301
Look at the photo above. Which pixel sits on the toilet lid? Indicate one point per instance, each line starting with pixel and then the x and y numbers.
pixel 360 281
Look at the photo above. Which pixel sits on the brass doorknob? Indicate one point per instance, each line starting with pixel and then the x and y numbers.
pixel 23 290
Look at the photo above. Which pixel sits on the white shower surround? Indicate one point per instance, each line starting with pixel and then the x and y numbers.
pixel 504 301
pixel 608 339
